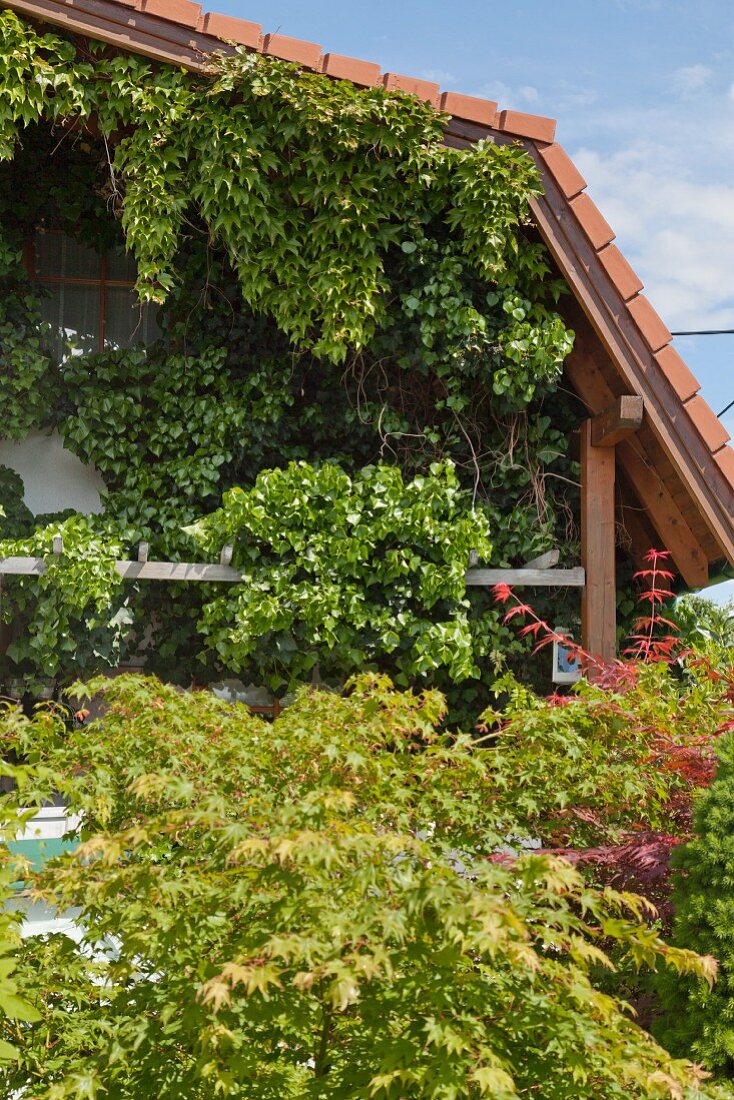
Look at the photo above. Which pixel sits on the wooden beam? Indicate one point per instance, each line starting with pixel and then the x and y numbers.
pixel 667 518
pixel 585 370
pixel 135 570
pixel 532 578
pixel 620 419
pixel 206 571
pixel 599 599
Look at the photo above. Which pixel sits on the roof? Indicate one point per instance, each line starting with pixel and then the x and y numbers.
pixel 676 475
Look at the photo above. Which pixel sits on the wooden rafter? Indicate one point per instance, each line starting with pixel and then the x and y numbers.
pixel 669 522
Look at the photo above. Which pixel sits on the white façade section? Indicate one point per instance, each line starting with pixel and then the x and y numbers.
pixel 53 477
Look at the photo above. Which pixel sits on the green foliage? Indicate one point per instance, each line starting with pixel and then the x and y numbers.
pixel 26 381
pixel 343 573
pixel 17 519
pixel 610 760
pixel 15 1009
pixel 76 594
pixel 169 429
pixel 306 908
pixel 701 622
pixel 697 1021
pixel 339 289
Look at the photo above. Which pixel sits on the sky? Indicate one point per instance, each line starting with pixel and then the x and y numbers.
pixel 643 91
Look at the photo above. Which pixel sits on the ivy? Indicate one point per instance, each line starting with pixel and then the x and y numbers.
pixel 344 571
pixel 341 296
pixel 74 595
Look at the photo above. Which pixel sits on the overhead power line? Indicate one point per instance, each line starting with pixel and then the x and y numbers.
pixel 706 332
pixel 710 332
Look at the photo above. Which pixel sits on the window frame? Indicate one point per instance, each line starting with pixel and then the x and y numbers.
pixel 101 283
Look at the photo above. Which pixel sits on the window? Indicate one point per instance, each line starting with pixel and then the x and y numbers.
pixel 89 299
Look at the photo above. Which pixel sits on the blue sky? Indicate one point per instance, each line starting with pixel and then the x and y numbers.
pixel 643 91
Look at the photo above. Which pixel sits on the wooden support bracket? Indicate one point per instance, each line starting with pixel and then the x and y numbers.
pixel 617 421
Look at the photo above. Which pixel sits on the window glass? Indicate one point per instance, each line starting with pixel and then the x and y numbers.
pixel 72 310
pixel 127 321
pixel 61 257
pixel 121 266
pixel 88 299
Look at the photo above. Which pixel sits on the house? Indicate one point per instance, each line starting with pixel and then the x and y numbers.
pixel 655 460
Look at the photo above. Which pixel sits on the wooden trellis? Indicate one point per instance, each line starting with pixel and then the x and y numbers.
pixel 538 573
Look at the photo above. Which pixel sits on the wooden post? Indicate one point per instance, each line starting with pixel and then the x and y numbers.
pixel 598 602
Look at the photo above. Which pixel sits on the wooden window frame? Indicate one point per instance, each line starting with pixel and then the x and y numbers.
pixel 101 284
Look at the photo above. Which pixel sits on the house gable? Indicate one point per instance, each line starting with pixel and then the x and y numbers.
pixel 676 474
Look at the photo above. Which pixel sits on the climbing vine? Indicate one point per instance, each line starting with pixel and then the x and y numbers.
pixel 343 301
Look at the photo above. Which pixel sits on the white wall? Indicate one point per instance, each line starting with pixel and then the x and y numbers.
pixel 53 477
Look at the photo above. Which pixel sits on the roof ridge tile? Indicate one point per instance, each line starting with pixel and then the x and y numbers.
pixel 678 373
pixel 592 221
pixel 184 12
pixel 297 50
pixel 620 271
pixel 709 427
pixel 364 73
pixel 655 332
pixel 535 127
pixel 424 89
pixel 469 107
pixel 232 29
pixel 563 170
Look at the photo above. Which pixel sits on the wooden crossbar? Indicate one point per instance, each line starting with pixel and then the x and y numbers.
pixel 532 578
pixel 225 574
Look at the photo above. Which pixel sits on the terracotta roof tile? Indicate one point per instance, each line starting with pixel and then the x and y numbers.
pixel 709 426
pixel 683 381
pixel 364 73
pixel 424 89
pixel 534 127
pixel 725 461
pixel 470 108
pixel 183 12
pixel 292 49
pixel 620 272
pixel 654 330
pixel 592 221
pixel 563 170
pixel 226 27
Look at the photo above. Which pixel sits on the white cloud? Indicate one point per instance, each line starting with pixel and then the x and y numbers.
pixel 438 76
pixel 691 78
pixel 677 231
pixel 508 96
pixel 655 175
